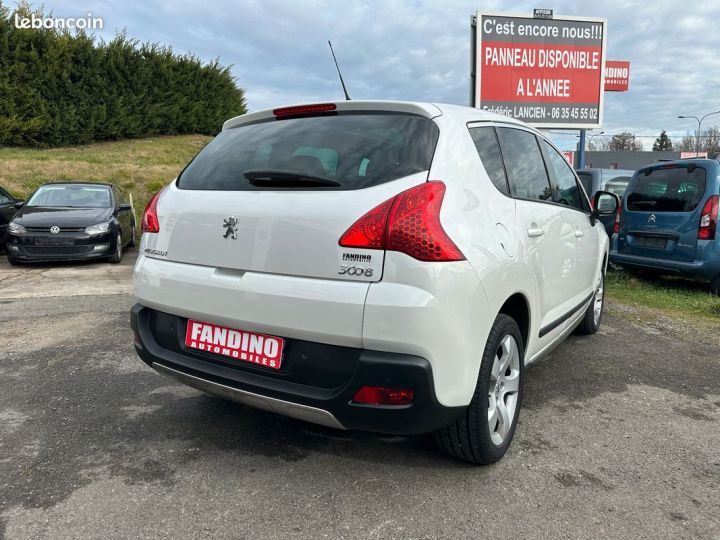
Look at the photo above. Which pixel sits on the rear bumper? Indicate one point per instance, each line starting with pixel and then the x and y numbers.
pixel 705 269
pixel 435 311
pixel 317 382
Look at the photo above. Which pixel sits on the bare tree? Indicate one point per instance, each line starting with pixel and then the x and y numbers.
pixel 710 142
pixel 688 144
pixel 625 142
pixel 599 144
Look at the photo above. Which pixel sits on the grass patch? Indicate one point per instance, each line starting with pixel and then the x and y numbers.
pixel 671 295
pixel 138 166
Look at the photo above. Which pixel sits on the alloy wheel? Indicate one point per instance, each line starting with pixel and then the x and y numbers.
pixel 598 301
pixel 503 389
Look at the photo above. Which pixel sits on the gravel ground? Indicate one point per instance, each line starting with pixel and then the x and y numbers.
pixel 618 436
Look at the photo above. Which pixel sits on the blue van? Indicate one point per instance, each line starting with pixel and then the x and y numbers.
pixel 667 222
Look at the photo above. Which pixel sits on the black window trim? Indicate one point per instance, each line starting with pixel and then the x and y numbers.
pixel 522 128
pixel 552 179
pixel 502 157
pixel 495 124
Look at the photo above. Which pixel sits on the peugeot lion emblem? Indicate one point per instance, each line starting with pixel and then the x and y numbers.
pixel 54 229
pixel 230 224
pixel 652 218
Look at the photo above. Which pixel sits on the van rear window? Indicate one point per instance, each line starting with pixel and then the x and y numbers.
pixel 349 150
pixel 677 189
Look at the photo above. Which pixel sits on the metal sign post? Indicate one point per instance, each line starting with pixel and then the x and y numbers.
pixel 581 151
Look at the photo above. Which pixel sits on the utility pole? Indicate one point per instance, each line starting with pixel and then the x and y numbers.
pixel 699 121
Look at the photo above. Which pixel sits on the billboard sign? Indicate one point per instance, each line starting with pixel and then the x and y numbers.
pixel 546 72
pixel 617 76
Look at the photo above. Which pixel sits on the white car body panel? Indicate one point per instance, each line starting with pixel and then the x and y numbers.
pixel 276 233
pixel 281 275
pixel 327 311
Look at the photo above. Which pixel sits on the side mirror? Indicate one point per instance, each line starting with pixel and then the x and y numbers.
pixel 124 207
pixel 19 204
pixel 604 203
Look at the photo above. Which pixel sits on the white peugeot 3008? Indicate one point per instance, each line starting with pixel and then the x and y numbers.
pixel 380 266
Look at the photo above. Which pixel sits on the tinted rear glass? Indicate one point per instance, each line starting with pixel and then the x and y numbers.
pixel 356 150
pixel 524 164
pixel 667 190
pixel 488 148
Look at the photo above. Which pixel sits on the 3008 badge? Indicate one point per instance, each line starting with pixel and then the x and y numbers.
pixel 355 270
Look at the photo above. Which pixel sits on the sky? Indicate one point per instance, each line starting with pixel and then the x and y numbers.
pixel 420 50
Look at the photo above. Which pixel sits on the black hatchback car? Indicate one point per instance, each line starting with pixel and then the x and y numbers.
pixel 8 208
pixel 68 221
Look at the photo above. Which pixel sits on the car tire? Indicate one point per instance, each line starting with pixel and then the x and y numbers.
pixel 117 256
pixel 715 286
pixel 483 433
pixel 13 261
pixel 593 315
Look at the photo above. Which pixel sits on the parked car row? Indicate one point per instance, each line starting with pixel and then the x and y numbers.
pixel 67 221
pixel 382 266
pixel 666 223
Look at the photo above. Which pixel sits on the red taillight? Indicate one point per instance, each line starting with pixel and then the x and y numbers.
pixel 708 219
pixel 618 213
pixel 150 222
pixel 301 110
pixel 409 223
pixel 369 231
pixel 380 395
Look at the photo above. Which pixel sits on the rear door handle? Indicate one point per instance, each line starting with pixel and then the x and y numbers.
pixel 579 233
pixel 534 233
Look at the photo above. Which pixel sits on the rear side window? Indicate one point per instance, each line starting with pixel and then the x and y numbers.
pixel 4 197
pixel 677 189
pixel 355 150
pixel 488 148
pixel 564 184
pixel 524 164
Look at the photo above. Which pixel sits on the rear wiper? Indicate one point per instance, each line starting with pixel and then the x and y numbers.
pixel 284 178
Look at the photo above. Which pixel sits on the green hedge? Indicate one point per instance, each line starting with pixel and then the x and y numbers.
pixel 59 88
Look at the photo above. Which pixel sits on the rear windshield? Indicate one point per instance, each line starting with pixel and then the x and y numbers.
pixel 352 150
pixel 678 189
